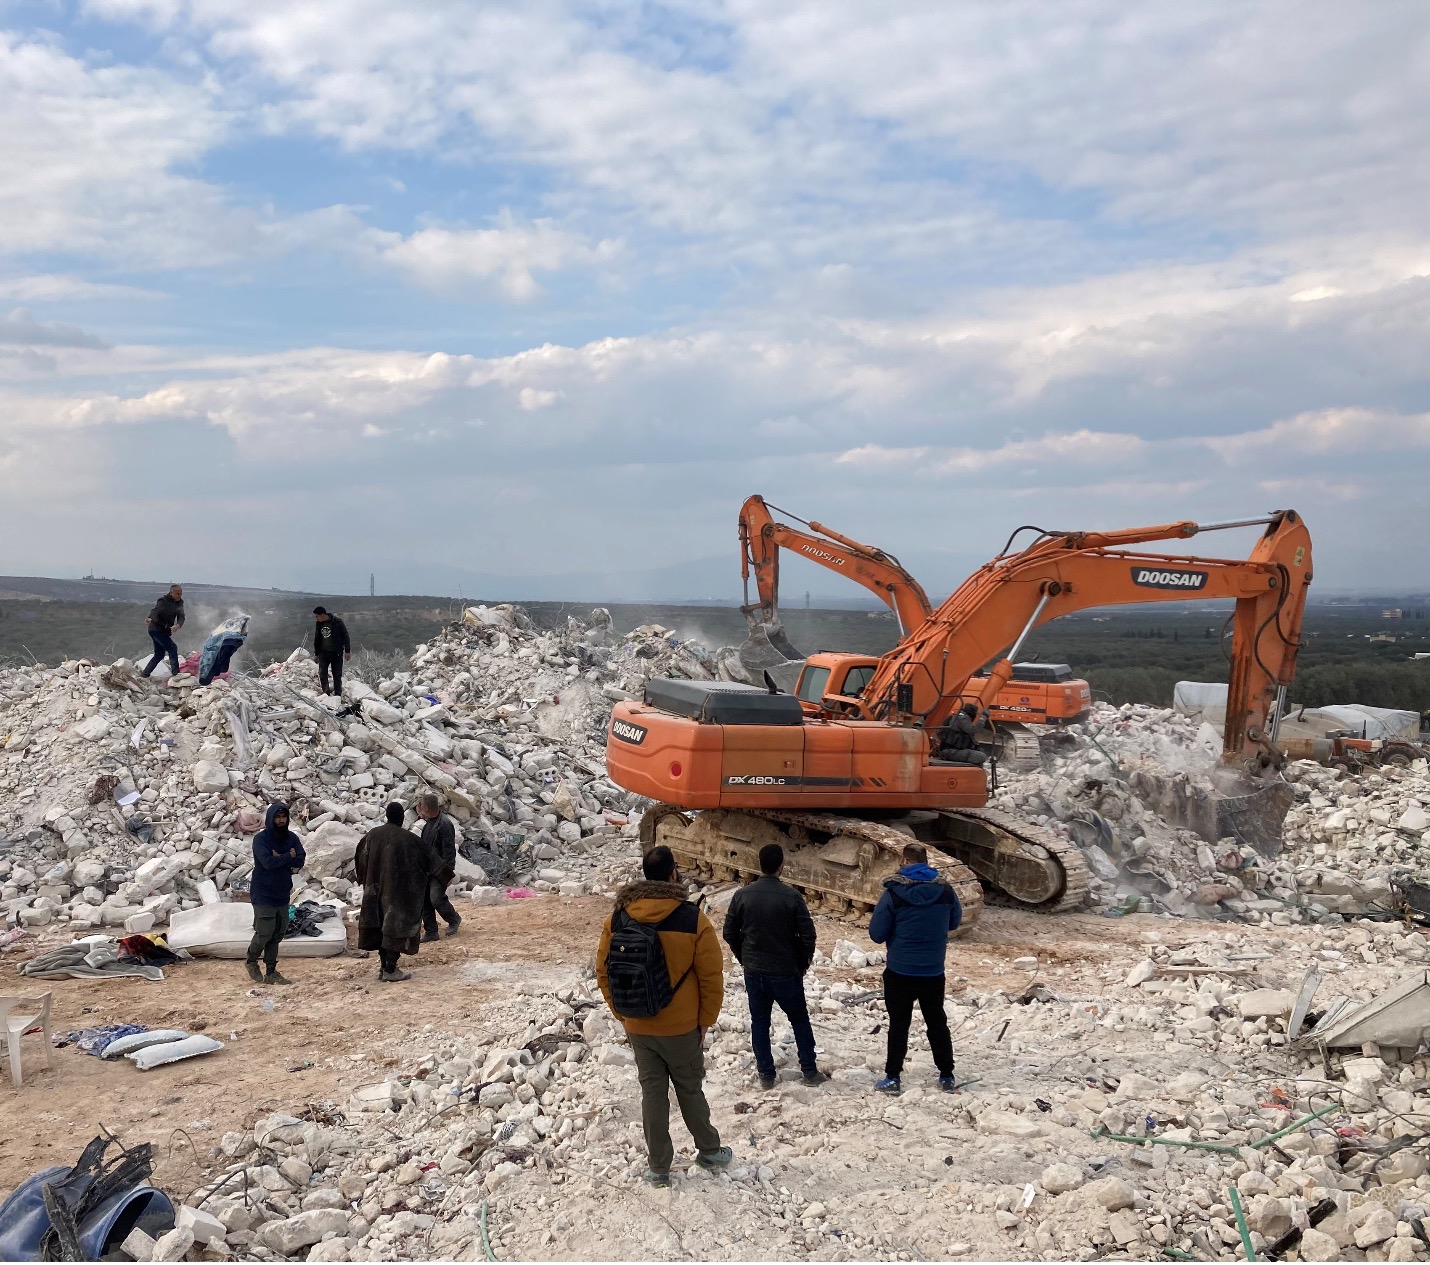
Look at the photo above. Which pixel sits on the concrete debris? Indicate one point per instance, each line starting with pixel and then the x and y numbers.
pixel 1181 1033
pixel 127 801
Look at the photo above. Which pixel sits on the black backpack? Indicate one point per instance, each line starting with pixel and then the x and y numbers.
pixel 636 970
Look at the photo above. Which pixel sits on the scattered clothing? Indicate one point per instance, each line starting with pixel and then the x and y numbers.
pixel 87 961
pixel 148 951
pixel 307 919
pixel 440 836
pixel 223 643
pixel 394 867
pixel 95 1040
pixel 913 917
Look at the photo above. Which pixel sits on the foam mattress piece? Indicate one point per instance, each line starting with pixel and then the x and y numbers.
pixel 224 931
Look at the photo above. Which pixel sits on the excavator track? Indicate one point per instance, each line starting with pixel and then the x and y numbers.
pixel 839 863
pixel 1026 866
pixel 1017 748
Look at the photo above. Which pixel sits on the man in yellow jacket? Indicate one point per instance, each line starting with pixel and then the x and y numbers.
pixel 669 1046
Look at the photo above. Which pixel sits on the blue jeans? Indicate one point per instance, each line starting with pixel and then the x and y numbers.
pixel 763 992
pixel 163 645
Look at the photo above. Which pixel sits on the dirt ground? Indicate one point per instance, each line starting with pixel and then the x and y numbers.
pixel 336 1027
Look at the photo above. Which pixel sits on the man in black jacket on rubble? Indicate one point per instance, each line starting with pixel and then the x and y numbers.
pixel 440 835
pixel 331 647
pixel 769 930
pixel 165 620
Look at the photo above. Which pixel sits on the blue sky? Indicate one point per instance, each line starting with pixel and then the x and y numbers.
pixel 488 297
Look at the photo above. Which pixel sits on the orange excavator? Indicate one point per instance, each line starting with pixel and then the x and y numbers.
pixel 844 780
pixel 1043 694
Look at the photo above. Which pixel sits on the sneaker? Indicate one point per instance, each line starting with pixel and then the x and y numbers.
pixel 815 1077
pixel 768 1082
pixel 453 928
pixel 429 937
pixel 658 1180
pixel 274 978
pixel 947 1084
pixel 718 1158
pixel 254 973
pixel 394 977
pixel 889 1085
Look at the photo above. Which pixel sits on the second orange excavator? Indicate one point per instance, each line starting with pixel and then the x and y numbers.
pixel 1046 695
pixel 842 772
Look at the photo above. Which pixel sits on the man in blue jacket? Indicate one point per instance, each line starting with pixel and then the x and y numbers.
pixel 277 853
pixel 914 917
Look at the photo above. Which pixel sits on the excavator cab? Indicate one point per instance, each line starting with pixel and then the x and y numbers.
pixel 834 683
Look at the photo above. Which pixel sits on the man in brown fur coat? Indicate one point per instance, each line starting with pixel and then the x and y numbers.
pixel 394 867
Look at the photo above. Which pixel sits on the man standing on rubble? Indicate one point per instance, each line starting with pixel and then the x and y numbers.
pixel 331 647
pixel 661 971
pixel 771 934
pixel 439 834
pixel 914 917
pixel 277 854
pixel 394 867
pixel 164 621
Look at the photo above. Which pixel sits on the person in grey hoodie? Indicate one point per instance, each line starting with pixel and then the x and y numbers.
pixel 914 917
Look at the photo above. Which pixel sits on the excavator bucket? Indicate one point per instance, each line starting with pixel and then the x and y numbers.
pixel 1231 807
pixel 768 649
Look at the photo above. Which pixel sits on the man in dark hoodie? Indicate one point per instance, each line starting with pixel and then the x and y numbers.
pixel 771 934
pixel 331 646
pixel 669 1047
pixel 165 619
pixel 439 834
pixel 394 867
pixel 914 917
pixel 277 853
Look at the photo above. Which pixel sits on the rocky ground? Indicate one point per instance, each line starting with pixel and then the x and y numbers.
pixel 347 1120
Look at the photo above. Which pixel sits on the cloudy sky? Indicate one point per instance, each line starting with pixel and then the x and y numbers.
pixel 528 297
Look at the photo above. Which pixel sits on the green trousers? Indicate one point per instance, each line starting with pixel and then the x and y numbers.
pixel 270 925
pixel 662 1062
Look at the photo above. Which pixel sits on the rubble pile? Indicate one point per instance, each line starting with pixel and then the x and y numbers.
pixel 1344 837
pixel 532 1119
pixel 127 799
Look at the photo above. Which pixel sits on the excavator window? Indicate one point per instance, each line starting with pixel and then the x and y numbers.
pixel 856 680
pixel 811 685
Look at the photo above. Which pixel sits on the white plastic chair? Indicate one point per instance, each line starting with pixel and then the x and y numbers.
pixel 21 1016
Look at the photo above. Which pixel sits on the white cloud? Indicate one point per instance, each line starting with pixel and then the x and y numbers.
pixel 1328 432
pixel 503 258
pixel 1082 447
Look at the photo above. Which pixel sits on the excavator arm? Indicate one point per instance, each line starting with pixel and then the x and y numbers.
pixel 762 538
pixel 992 613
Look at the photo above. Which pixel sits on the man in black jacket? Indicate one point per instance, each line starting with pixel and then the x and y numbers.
pixel 165 620
pixel 957 740
pixel 440 836
pixel 331 647
pixel 769 930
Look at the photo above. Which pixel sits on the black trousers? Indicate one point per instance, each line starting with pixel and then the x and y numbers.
pixel 331 663
pixel 387 959
pixel 900 994
pixel 438 902
pixel 270 925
